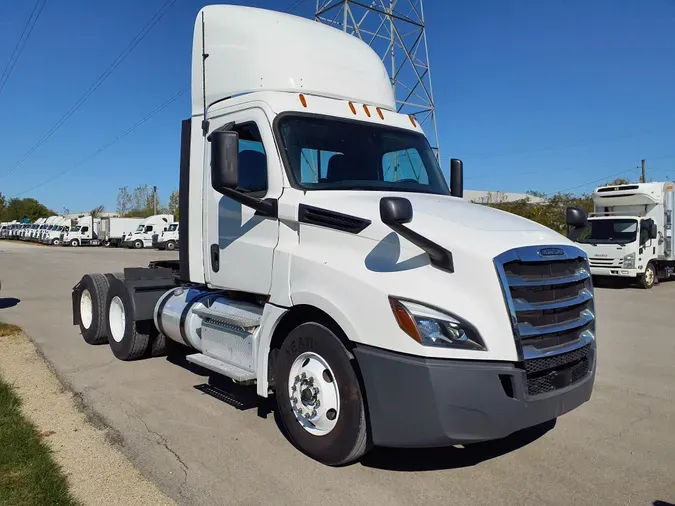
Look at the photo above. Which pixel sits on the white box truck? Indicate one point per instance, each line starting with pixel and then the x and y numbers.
pixel 630 232
pixel 142 236
pixel 114 229
pixel 167 239
pixel 376 309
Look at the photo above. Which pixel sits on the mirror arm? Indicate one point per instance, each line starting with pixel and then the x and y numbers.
pixel 440 257
pixel 266 207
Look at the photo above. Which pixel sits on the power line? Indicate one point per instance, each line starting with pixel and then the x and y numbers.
pixel 119 137
pixel 101 79
pixel 294 6
pixel 21 43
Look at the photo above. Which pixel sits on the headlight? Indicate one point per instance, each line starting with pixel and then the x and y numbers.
pixel 629 261
pixel 431 327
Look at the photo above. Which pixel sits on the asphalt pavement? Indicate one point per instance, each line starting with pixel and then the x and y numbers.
pixel 619 448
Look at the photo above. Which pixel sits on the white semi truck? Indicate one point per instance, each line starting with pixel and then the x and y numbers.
pixel 113 230
pixel 142 236
pixel 59 228
pixel 630 232
pixel 167 239
pixel 378 310
pixel 84 233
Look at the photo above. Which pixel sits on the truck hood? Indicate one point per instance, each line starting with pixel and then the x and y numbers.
pixel 451 222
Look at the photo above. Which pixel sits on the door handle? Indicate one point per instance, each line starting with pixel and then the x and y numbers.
pixel 215 257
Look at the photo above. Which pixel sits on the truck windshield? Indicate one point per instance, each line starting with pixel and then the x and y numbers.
pixel 610 231
pixel 335 154
pixel 76 228
pixel 140 228
pixel 173 227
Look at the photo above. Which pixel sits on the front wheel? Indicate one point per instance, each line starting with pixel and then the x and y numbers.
pixel 170 246
pixel 648 279
pixel 319 397
pixel 138 244
pixel 74 243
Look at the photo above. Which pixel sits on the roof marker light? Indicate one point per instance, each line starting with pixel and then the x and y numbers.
pixel 351 106
pixel 303 101
pixel 365 108
pixel 412 120
pixel 379 112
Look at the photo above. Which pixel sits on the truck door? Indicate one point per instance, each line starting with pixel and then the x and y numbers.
pixel 239 245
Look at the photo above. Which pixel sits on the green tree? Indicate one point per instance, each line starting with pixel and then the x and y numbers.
pixel 136 203
pixel 173 204
pixel 18 209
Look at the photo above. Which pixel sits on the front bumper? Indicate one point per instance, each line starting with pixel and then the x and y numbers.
pixel 614 271
pixel 423 402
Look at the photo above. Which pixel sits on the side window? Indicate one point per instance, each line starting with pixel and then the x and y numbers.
pixel 252 159
pixel 314 165
pixel 404 165
pixel 148 228
pixel 85 229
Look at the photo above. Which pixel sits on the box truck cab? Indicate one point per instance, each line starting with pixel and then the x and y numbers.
pixel 630 232
pixel 324 259
pixel 167 239
pixel 142 236
pixel 84 233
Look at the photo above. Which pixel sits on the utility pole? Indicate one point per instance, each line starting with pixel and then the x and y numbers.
pixel 154 200
pixel 643 177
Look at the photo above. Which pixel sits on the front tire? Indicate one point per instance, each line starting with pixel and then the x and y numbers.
pixel 170 246
pixel 648 279
pixel 74 243
pixel 319 396
pixel 138 244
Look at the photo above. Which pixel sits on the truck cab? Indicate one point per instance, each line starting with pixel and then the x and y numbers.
pixel 167 239
pixel 84 233
pixel 142 236
pixel 629 234
pixel 325 259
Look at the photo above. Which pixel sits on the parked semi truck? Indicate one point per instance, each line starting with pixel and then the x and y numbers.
pixel 630 232
pixel 59 228
pixel 324 258
pixel 113 230
pixel 84 233
pixel 167 239
pixel 142 236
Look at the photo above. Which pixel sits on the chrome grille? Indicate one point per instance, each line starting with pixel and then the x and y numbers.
pixel 550 302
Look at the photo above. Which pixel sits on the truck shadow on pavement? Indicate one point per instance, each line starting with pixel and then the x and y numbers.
pixel 388 459
pixel 7 302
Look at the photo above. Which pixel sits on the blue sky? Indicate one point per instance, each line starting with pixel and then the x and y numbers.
pixel 546 95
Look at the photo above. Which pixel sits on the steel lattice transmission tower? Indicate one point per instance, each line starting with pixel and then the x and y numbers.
pixel 395 29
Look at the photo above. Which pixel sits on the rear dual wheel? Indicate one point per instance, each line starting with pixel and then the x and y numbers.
pixel 129 339
pixel 91 300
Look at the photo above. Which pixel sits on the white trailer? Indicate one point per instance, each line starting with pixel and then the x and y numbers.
pixel 113 230
pixel 142 236
pixel 630 232
pixel 324 259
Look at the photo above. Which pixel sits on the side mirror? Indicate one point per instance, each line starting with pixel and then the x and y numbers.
pixel 651 228
pixel 395 210
pixel 456 178
pixel 224 159
pixel 576 221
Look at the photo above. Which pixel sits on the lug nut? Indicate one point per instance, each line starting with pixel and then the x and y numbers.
pixel 295 400
pixel 297 378
pixel 313 413
pixel 293 388
pixel 317 403
pixel 304 375
pixel 310 381
pixel 316 391
pixel 307 416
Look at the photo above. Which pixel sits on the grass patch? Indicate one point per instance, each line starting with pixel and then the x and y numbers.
pixel 7 329
pixel 28 475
